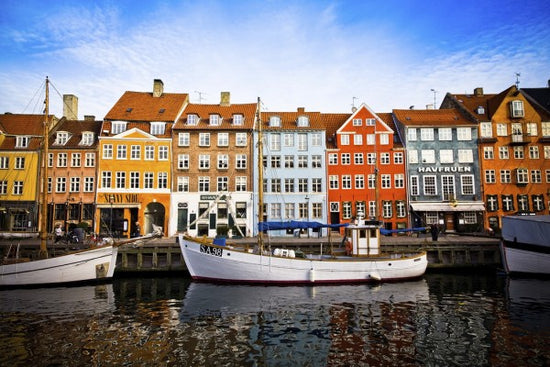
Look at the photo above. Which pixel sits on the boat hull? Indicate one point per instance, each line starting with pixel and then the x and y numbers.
pixel 94 264
pixel 224 264
pixel 527 261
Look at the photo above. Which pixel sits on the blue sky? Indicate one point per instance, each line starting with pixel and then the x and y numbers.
pixel 313 54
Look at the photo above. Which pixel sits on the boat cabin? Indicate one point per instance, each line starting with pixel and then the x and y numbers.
pixel 363 237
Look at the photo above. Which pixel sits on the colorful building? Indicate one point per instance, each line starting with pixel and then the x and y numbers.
pixel 514 151
pixel 442 169
pixel 135 152
pixel 212 169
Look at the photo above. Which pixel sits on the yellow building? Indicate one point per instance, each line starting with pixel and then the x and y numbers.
pixel 134 175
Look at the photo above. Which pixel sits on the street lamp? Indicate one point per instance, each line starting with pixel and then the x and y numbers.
pixel 307 209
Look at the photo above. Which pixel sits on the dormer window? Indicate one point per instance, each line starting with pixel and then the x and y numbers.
pixel 87 138
pixel 275 121
pixel 370 122
pixel 480 110
pixel 61 138
pixel 157 128
pixel 516 109
pixel 22 141
pixel 192 119
pixel 238 119
pixel 118 127
pixel 215 120
pixel 303 121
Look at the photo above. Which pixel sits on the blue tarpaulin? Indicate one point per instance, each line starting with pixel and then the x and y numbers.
pixel 402 230
pixel 294 224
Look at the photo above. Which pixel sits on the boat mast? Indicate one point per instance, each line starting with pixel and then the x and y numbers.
pixel 260 175
pixel 43 253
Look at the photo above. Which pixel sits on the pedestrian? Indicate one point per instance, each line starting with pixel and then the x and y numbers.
pixel 434 229
pixel 58 233
pixel 137 231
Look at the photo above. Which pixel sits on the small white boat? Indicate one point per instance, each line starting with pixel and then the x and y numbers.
pixel 363 263
pixel 525 244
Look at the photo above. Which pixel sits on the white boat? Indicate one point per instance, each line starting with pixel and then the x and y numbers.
pixel 96 263
pixel 364 262
pixel 525 244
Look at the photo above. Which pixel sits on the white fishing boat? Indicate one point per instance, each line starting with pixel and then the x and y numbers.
pixel 525 244
pixel 95 263
pixel 363 260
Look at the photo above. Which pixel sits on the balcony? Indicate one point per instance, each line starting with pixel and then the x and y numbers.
pixel 520 139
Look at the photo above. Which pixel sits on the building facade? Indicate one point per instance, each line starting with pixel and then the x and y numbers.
pixel 442 169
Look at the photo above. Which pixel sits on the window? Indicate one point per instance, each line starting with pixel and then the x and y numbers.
pixel 87 138
pixel 61 138
pixel 316 140
pixel 302 185
pixel 106 179
pixel 204 184
pixel 545 129
pixel 505 176
pixel 467 184
pixel 4 162
pixel 182 184
pixel 20 162
pixel 316 185
pixel 302 141
pixel 288 140
pixel 148 180
pixel 507 203
pixel 357 122
pixel 316 161
pixel 492 203
pixel 223 139
pixel 18 188
pixel 121 152
pixel 502 129
pixel 413 156
pixel 370 122
pixel 399 180
pixel 384 158
pixel 62 160
pixel 118 127
pixel 371 178
pixel 448 187
pixel 192 119
pixel 400 209
pixel 516 109
pixel 523 203
pixel 486 130
pixel 357 139
pixel 134 180
pixel 333 182
pixel 359 181
pixel 387 209
pixel 372 209
pixel 344 139
pixel 61 184
pixel 75 159
pixel 183 139
pixel 538 202
pixel 430 188
pixel 333 159
pixel 289 161
pixel 303 211
pixel 411 134
pixel 386 181
pixel 3 187
pixel 346 159
pixel 163 153
pixel 428 156
pixel 22 141
pixel 149 152
pixel 238 119
pixel 465 156
pixel 503 153
pixel 384 139
pixel 302 161
pixel 522 176
pixel 547 152
pixel 446 156
pixel 464 133
pixel 534 152
pixel 240 161
pixel 274 121
pixel 241 139
pixel 536 176
pixel 490 176
pixel 135 152
pixel 518 152
pixel 157 128
pixel 204 139
pixel 204 161
pixel 346 181
pixel 346 210
pixel 275 141
pixel 275 161
pixel 358 158
pixel 289 185
pixel 531 128
pixel 223 161
pixel 303 121
pixel 371 139
pixel 427 134
pixel 121 180
pixel 445 134
pixel 470 217
pixel 275 211
pixel 316 210
pixel 371 158
pixel 240 183
pixel 215 120
pixel 488 153
pixel 89 184
pixel 398 158
pixel 223 182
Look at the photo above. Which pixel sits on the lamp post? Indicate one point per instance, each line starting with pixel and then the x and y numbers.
pixel 111 200
pixel 307 209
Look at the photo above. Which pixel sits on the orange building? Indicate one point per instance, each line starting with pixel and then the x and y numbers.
pixel 135 152
pixel 365 169
pixel 514 150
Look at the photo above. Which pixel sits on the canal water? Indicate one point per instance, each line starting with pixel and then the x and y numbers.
pixel 440 320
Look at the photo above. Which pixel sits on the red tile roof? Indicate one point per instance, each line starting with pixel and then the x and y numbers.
pixel 226 112
pixel 332 122
pixel 75 128
pixel 142 106
pixel 289 120
pixel 14 125
pixel 451 117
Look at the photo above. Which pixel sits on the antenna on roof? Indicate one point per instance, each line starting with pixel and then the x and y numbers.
pixel 200 95
pixel 517 80
pixel 353 104
pixel 435 94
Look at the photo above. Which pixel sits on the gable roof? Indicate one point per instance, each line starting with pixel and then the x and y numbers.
pixel 142 106
pixel 289 119
pixel 332 122
pixel 431 118
pixel 226 112
pixel 539 98
pixel 13 125
pixel 75 129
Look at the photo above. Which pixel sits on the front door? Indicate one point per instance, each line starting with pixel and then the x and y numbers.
pixel 449 222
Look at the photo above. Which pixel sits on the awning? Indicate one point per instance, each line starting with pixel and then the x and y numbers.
pixel 471 206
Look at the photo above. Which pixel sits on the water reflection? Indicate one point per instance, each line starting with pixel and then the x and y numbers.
pixel 445 319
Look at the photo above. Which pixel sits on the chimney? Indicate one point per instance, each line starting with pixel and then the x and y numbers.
pixel 478 92
pixel 70 106
pixel 301 109
pixel 225 99
pixel 89 118
pixel 158 88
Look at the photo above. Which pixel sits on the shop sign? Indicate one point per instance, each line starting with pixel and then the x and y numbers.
pixel 121 198
pixel 432 169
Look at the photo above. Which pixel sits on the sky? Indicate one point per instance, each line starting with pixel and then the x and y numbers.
pixel 322 55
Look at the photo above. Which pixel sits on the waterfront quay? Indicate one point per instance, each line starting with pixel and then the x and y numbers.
pixel 450 251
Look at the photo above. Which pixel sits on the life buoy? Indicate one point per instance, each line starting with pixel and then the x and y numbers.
pixel 349 248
